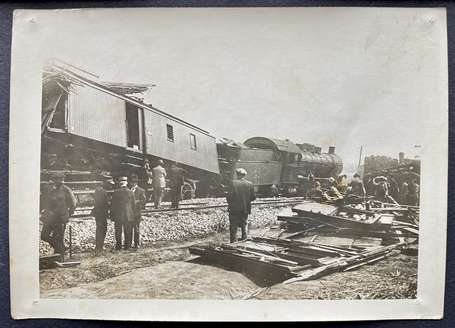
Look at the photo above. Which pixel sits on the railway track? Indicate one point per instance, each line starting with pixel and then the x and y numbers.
pixel 85 212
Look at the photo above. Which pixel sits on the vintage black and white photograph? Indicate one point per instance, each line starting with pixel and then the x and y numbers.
pixel 241 155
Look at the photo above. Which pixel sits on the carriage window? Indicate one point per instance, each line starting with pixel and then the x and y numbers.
pixel 193 141
pixel 170 132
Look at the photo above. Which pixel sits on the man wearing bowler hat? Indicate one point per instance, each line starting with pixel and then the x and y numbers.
pixel 239 199
pixel 59 205
pixel 122 213
pixel 140 199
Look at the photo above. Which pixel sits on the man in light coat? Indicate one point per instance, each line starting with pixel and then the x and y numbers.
pixel 158 182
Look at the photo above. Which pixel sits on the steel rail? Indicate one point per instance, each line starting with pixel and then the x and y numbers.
pixel 195 208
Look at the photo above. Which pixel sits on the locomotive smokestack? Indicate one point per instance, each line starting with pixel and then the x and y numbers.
pixel 331 150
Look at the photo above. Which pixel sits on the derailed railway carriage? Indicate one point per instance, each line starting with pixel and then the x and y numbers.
pixel 90 126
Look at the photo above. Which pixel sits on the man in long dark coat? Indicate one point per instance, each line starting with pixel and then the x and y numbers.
pixel 59 205
pixel 140 201
pixel 122 213
pixel 101 212
pixel 239 199
pixel 176 180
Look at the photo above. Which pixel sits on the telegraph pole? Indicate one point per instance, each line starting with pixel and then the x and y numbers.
pixel 360 156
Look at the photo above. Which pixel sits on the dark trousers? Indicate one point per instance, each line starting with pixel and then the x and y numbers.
pixel 237 221
pixel 54 234
pixel 136 232
pixel 175 196
pixel 101 229
pixel 125 229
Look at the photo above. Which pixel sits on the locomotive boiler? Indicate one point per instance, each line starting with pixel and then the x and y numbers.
pixel 276 162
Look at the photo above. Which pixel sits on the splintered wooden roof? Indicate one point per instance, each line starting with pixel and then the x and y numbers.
pixel 61 73
pixel 127 88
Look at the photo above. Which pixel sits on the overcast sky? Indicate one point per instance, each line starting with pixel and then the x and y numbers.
pixel 342 77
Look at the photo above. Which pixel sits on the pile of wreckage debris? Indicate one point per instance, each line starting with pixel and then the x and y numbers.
pixel 315 239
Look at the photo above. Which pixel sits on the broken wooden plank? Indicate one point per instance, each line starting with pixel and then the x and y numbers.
pixel 67 264
pixel 339 264
pixel 48 261
pixel 267 271
pixel 261 255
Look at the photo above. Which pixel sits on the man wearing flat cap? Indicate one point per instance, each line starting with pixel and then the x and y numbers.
pixel 122 213
pixel 59 205
pixel 239 199
pixel 140 200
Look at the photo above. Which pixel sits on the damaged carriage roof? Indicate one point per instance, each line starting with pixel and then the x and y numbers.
pixel 59 73
pixel 129 89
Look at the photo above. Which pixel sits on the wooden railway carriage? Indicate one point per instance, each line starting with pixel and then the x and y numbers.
pixel 92 126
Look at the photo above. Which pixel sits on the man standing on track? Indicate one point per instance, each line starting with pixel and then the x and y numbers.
pixel 101 212
pixel 59 205
pixel 239 199
pixel 176 179
pixel 122 213
pixel 140 201
pixel 159 182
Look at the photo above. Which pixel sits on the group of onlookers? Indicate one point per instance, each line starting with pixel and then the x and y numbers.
pixel 157 177
pixel 341 188
pixel 120 201
pixel 128 199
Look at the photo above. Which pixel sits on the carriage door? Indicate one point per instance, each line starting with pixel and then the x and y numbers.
pixel 133 127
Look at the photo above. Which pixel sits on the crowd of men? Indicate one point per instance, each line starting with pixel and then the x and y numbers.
pixel 157 178
pixel 123 201
pixel 120 201
pixel 340 188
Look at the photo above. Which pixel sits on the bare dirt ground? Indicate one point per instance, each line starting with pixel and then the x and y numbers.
pixel 164 270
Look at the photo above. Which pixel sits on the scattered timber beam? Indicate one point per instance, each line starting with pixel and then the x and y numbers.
pixel 342 263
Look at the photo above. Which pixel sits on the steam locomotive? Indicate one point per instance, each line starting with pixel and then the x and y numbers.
pixel 273 162
pixel 90 127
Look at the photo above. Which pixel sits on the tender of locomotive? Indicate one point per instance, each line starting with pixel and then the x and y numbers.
pixel 277 162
